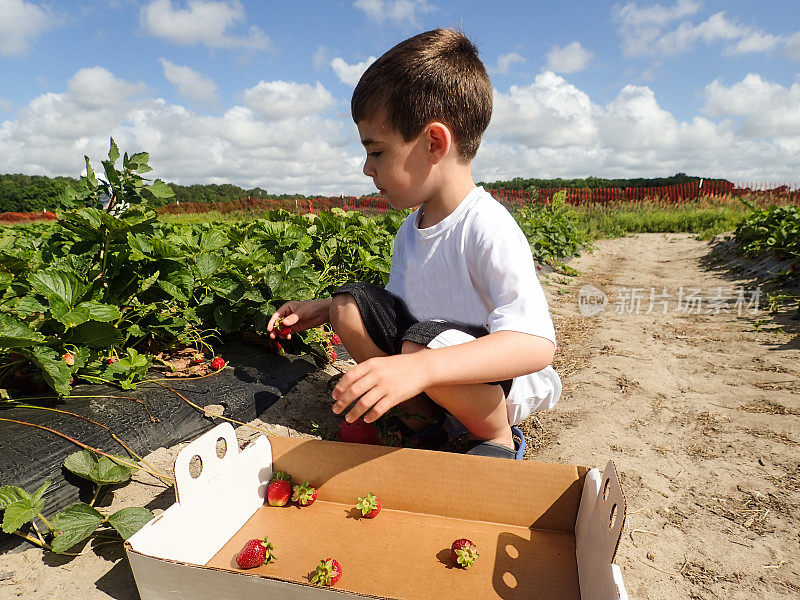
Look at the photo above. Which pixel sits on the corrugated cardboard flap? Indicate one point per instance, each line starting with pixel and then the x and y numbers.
pixel 212 506
pixel 598 529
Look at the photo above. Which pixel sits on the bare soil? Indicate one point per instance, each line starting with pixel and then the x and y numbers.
pixel 698 407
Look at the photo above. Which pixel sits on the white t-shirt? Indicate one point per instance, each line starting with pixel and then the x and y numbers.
pixel 475 267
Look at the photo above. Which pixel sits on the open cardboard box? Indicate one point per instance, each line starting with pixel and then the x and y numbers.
pixel 542 530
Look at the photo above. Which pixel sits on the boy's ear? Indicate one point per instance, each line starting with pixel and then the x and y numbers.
pixel 440 141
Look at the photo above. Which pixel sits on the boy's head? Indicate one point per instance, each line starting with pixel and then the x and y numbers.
pixel 433 76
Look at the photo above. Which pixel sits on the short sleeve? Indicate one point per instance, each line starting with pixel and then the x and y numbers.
pixel 504 274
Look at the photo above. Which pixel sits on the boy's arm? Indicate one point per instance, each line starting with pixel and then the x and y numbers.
pixel 384 382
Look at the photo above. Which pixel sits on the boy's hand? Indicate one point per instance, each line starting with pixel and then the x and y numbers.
pixel 377 385
pixel 298 316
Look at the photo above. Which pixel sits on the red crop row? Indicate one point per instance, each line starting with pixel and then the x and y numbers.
pixel 705 193
pixel 20 217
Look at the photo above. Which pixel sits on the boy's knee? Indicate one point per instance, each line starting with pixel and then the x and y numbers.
pixel 343 310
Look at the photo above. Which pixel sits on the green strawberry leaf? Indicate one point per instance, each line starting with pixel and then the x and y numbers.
pixel 74 525
pixel 159 189
pixel 17 334
pixel 82 463
pixel 110 472
pixel 130 520
pixel 10 494
pixel 56 373
pixel 23 510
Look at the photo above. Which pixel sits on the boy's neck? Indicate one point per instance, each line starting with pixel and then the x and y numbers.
pixel 456 184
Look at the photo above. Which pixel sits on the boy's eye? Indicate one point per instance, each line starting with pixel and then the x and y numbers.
pixel 373 154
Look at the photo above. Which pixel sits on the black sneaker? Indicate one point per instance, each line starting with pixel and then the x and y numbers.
pixel 464 444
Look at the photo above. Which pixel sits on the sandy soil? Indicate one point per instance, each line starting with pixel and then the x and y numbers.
pixel 699 409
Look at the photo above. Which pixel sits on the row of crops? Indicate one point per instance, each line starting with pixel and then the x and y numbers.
pixel 111 293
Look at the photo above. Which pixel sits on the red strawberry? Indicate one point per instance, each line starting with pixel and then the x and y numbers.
pixel 336 340
pixel 279 350
pixel 464 552
pixel 197 358
pixel 328 572
pixel 369 505
pixel 331 354
pixel 304 494
pixel 111 360
pixel 217 363
pixel 279 492
pixel 69 358
pixel 359 432
pixel 256 553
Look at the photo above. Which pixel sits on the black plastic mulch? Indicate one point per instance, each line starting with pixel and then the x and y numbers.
pixel 253 381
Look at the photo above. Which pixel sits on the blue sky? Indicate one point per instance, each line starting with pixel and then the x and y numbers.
pixel 257 93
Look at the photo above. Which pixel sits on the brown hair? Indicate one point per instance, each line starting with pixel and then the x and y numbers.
pixel 433 76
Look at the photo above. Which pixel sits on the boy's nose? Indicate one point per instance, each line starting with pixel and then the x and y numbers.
pixel 368 170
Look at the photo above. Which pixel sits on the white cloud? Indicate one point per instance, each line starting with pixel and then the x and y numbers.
pixel 5 105
pixel 320 58
pixel 403 12
pixel 274 100
pixel 506 61
pixel 245 146
pixel 285 137
pixel 550 112
pixel 645 31
pixel 571 58
pixel 20 24
pixel 350 74
pixel 190 84
pixel 205 22
pixel 792 47
pixel 552 129
pixel 98 87
pixel 769 109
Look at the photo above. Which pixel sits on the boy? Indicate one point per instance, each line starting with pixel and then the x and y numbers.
pixel 462 329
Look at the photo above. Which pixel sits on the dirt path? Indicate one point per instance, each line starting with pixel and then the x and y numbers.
pixel 699 411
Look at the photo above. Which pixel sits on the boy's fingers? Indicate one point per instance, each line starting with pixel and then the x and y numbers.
pixel 378 410
pixel 363 405
pixel 348 390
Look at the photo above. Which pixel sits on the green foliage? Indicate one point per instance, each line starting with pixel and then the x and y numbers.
pixel 99 286
pixel 76 523
pixel 125 187
pixel 772 230
pixel 604 222
pixel 552 230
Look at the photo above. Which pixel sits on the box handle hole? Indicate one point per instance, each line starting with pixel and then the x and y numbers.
pixel 222 448
pixel 509 580
pixel 512 551
pixel 195 466
pixel 606 485
pixel 613 519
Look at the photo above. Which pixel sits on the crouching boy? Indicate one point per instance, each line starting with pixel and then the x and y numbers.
pixel 462 333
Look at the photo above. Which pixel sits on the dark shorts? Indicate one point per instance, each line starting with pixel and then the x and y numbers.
pixel 389 322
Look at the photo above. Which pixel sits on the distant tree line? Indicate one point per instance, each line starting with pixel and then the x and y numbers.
pixel 518 183
pixel 34 193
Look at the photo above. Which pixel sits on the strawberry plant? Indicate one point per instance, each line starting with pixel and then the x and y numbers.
pixel 22 509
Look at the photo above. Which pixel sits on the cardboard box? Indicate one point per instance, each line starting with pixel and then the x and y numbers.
pixel 542 530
